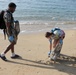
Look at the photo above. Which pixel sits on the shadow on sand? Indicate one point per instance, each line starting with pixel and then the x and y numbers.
pixel 67 64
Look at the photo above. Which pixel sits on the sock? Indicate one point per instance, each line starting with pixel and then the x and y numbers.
pixel 13 54
pixel 2 54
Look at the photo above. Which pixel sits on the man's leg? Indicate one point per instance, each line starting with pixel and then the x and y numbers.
pixel 12 51
pixel 14 56
pixel 11 46
pixel 7 49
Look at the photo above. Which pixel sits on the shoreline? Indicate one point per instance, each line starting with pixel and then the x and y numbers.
pixel 36 26
pixel 29 27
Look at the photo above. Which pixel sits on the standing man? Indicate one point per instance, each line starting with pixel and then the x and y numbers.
pixel 10 30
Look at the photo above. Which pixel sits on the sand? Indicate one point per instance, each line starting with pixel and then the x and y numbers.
pixel 33 49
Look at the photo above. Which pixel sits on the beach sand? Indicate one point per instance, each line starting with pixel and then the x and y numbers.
pixel 33 49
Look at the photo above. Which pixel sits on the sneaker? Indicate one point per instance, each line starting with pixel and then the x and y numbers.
pixel 14 57
pixel 3 58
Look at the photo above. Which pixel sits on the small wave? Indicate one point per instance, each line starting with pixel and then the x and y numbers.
pixel 74 28
pixel 23 31
pixel 2 0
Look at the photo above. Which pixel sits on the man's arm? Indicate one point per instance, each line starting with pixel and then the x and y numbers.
pixel 50 47
pixel 50 44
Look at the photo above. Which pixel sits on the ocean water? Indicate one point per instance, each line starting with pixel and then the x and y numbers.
pixel 50 10
pixel 44 12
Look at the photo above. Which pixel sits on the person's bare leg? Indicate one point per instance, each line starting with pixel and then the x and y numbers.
pixel 11 46
pixel 12 51
pixel 7 49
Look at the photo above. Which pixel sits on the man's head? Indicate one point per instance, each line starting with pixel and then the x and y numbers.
pixel 48 35
pixel 12 7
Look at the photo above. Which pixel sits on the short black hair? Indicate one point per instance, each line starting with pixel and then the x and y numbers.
pixel 12 5
pixel 48 34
